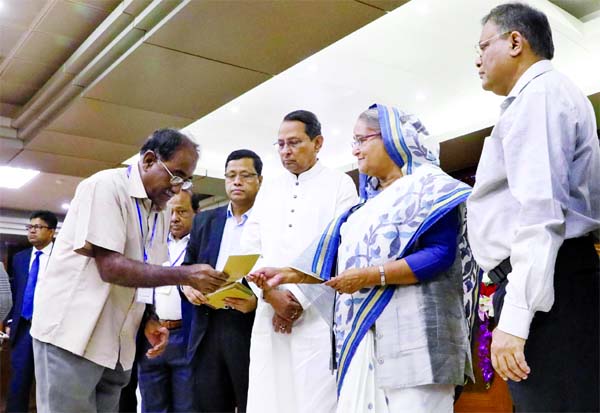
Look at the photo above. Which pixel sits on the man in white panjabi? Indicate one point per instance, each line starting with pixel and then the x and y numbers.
pixel 290 350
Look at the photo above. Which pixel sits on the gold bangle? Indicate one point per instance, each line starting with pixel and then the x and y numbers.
pixel 382 275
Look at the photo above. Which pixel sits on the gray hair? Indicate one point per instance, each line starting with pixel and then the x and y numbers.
pixel 371 118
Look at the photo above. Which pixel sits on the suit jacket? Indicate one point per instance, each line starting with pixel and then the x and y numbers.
pixel 203 248
pixel 18 282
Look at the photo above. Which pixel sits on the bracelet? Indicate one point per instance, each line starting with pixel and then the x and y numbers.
pixel 381 275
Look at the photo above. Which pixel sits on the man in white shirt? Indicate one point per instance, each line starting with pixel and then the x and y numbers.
pixel 27 267
pixel 291 344
pixel 534 214
pixel 166 381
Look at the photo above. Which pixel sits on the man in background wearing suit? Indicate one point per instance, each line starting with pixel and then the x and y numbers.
pixel 27 266
pixel 219 342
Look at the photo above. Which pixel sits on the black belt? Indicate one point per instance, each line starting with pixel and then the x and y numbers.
pixel 499 274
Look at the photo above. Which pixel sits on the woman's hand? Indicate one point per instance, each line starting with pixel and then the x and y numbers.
pixel 354 279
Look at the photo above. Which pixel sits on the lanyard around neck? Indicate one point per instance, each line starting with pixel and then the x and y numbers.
pixel 139 214
pixel 174 263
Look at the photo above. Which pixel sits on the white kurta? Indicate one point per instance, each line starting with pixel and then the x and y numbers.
pixel 290 373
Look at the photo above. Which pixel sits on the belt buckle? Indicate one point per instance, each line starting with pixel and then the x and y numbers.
pixel 171 324
pixel 500 272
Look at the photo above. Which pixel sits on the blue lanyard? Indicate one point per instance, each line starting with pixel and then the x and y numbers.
pixel 176 259
pixel 137 205
pixel 139 213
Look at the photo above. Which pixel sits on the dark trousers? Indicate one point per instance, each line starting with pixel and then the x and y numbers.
pixel 563 345
pixel 22 370
pixel 128 398
pixel 221 363
pixel 166 381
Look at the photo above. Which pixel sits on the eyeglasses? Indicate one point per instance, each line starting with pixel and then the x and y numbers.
pixel 481 46
pixel 186 184
pixel 292 144
pixel 35 227
pixel 231 176
pixel 358 141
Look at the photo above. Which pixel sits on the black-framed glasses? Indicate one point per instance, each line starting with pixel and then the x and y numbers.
pixel 186 184
pixel 244 176
pixel 360 140
pixel 482 45
pixel 35 227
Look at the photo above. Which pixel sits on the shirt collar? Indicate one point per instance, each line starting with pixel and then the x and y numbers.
pixel 245 215
pixel 171 239
pixel 135 185
pixel 46 250
pixel 531 73
pixel 307 175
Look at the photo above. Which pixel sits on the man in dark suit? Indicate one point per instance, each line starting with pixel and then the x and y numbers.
pixel 27 267
pixel 219 340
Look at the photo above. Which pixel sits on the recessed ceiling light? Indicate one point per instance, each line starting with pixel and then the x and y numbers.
pixel 14 178
pixel 65 206
pixel 234 109
pixel 420 96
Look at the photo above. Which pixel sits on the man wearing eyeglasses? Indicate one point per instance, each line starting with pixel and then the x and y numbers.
pixel 165 382
pixel 219 340
pixel 291 347
pixel 87 310
pixel 27 267
pixel 533 216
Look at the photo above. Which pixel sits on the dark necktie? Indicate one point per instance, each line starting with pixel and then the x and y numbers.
pixel 27 310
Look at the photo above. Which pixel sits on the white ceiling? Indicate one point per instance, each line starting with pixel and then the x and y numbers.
pixel 83 82
pixel 427 69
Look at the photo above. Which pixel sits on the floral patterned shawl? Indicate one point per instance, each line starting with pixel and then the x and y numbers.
pixel 408 208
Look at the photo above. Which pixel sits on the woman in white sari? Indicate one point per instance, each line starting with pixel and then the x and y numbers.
pixel 400 268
